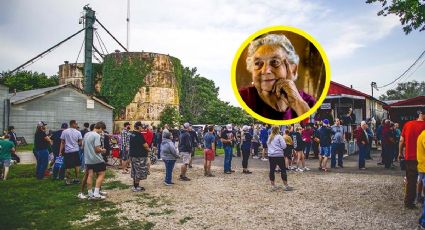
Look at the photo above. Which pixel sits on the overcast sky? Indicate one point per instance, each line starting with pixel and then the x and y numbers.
pixel 361 46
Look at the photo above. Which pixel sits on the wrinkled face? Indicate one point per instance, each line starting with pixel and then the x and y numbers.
pixel 269 66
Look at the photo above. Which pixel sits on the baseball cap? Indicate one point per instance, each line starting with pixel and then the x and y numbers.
pixel 41 123
pixel 64 126
pixel 186 125
pixel 326 121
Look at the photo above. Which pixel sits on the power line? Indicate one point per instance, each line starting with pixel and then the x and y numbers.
pixel 119 43
pixel 414 63
pixel 79 52
pixel 414 71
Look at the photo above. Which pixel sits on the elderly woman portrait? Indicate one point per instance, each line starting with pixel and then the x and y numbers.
pixel 273 63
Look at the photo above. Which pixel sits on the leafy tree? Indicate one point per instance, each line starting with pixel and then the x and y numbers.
pixel 410 12
pixel 405 90
pixel 199 102
pixel 170 115
pixel 28 80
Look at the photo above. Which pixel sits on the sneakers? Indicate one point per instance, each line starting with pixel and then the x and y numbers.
pixel 103 193
pixel 255 157
pixel 274 188
pixel 167 184
pixel 97 197
pixel 82 196
pixel 299 170
pixel 264 159
pixel 306 169
pixel 287 188
pixel 246 172
pixel 137 189
pixel 184 178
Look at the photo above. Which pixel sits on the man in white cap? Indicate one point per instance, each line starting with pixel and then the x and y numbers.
pixel 185 149
pixel 227 138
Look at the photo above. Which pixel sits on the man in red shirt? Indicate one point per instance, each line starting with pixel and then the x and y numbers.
pixel 408 139
pixel 148 135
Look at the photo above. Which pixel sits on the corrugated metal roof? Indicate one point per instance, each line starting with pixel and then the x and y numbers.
pixel 29 95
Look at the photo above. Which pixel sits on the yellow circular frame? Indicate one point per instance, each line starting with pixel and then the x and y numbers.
pixel 322 54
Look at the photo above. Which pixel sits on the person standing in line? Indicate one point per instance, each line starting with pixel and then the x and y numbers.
pixel 42 143
pixel 299 147
pixel 169 156
pixel 209 146
pixel 56 141
pixel 288 150
pixel 315 144
pixel 338 145
pixel 195 143
pixel 255 142
pixel 420 150
pixel 139 157
pixel 362 141
pixel 264 135
pixel 158 141
pixel 325 144
pixel 238 141
pixel 125 147
pixel 246 138
pixel 397 132
pixel 71 140
pixel 227 138
pixel 307 134
pixel 185 148
pixel 12 137
pixel 408 141
pixel 369 146
pixel 276 148
pixel 7 148
pixel 95 163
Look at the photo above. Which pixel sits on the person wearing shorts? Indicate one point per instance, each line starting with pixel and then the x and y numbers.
pixel 6 149
pixel 71 140
pixel 139 157
pixel 209 155
pixel 287 152
pixel 185 149
pixel 94 162
pixel 325 133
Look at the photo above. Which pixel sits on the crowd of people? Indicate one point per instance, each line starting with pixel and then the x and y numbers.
pixel 286 148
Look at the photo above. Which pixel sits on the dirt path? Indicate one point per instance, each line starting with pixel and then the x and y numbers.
pixel 341 199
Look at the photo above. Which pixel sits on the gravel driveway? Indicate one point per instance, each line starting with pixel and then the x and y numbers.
pixel 340 199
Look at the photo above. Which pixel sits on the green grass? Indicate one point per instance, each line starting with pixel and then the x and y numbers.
pixel 32 204
pixel 115 185
pixel 25 148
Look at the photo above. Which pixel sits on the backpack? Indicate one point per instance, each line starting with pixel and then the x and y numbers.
pixel 58 169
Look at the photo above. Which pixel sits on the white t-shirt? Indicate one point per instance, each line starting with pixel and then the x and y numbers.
pixel 71 137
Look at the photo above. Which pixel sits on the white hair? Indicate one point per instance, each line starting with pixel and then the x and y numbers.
pixel 271 39
pixel 363 123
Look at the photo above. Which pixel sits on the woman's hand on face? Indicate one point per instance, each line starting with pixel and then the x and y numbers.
pixel 287 92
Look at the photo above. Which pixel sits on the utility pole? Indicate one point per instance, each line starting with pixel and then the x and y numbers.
pixel 128 24
pixel 88 50
pixel 372 106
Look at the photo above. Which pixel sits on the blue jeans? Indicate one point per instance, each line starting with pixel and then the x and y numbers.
pixel 42 161
pixel 83 165
pixel 362 155
pixel 307 149
pixel 169 166
pixel 159 151
pixel 228 158
pixel 337 148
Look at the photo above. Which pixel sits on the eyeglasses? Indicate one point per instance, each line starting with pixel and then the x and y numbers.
pixel 273 62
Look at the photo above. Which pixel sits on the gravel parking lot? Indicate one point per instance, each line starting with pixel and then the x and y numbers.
pixel 340 199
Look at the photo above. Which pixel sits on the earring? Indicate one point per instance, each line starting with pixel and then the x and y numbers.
pixel 252 83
